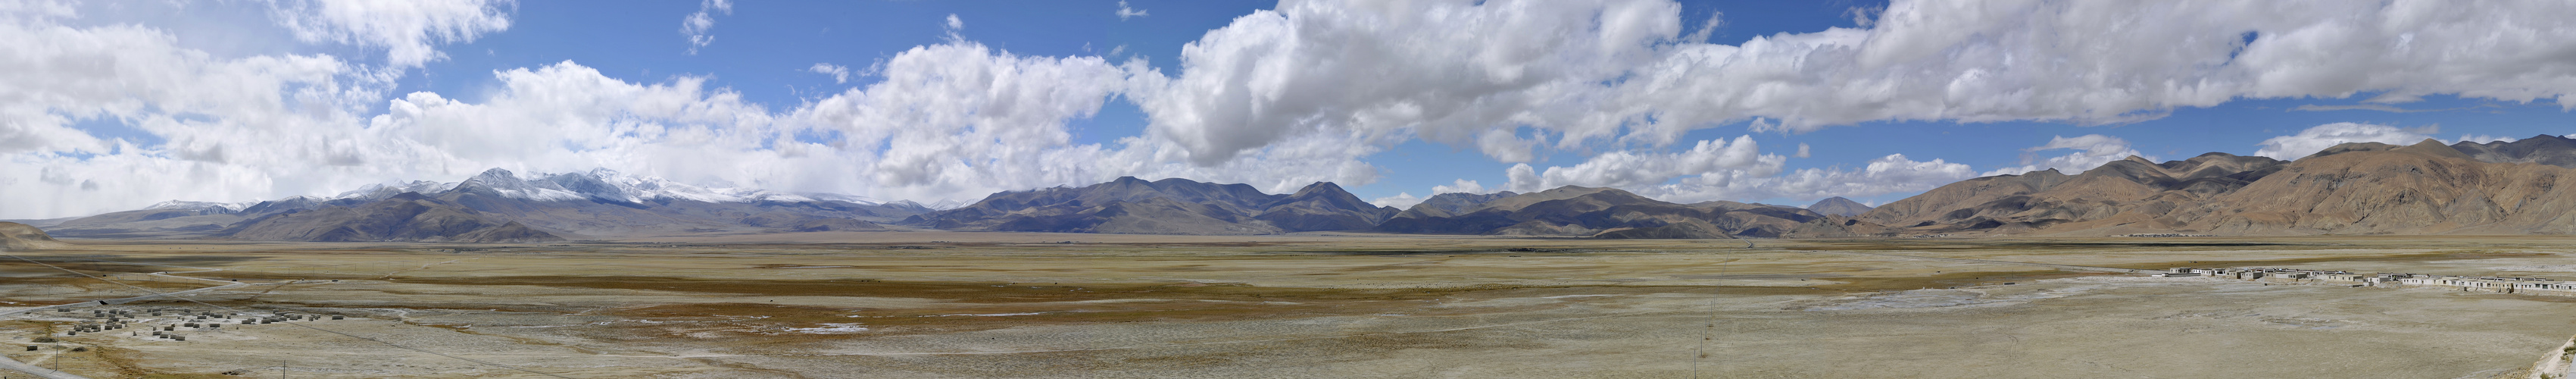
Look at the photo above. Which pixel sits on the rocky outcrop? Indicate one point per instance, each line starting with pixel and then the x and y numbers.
pixel 16 236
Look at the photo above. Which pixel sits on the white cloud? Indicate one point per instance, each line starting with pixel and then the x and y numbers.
pixel 1501 145
pixel 1461 185
pixel 696 25
pixel 1124 12
pixel 2320 137
pixel 1277 98
pixel 566 117
pixel 840 74
pixel 2481 138
pixel 961 118
pixel 1445 71
pixel 1626 169
pixel 1578 74
pixel 2110 62
pixel 1401 200
pixel 957 118
pixel 407 29
pixel 1890 174
pixel 220 121
pixel 951 121
pixel 2091 150
pixel 1720 170
pixel 2379 107
pixel 1802 151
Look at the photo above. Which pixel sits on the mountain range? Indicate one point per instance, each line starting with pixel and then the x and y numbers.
pixel 499 206
pixel 1612 213
pixel 2516 187
pixel 1168 206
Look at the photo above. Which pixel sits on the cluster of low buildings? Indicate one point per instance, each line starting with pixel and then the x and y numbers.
pixel 2497 284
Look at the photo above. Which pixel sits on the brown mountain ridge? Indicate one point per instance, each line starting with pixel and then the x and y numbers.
pixel 1169 206
pixel 2354 188
pixel 1612 213
pixel 16 236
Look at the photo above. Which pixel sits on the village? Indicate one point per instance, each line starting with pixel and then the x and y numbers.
pixel 2494 284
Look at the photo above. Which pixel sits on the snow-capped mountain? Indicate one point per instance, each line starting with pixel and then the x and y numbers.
pixel 593 203
pixel 380 191
pixel 942 205
pixel 601 184
pixel 201 206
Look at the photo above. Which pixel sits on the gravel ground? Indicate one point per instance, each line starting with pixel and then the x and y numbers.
pixel 1321 309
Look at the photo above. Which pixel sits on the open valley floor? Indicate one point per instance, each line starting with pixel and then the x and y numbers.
pixel 962 304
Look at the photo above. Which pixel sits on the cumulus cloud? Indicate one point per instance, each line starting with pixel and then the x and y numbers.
pixel 1578 74
pixel 1277 98
pixel 217 120
pixel 567 117
pixel 1448 71
pixel 1627 169
pixel 406 29
pixel 2320 137
pixel 840 74
pixel 1889 174
pixel 2090 150
pixel 1401 200
pixel 2377 107
pixel 962 118
pixel 1501 145
pixel 1737 170
pixel 2481 138
pixel 696 25
pixel 955 120
pixel 1462 186
pixel 1124 12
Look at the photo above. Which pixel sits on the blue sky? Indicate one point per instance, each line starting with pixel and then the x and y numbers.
pixel 763 50
pixel 893 100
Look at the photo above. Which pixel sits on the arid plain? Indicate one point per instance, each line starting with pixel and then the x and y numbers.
pixel 967 304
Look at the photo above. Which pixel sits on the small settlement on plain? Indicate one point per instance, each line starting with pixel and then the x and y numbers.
pixel 2497 284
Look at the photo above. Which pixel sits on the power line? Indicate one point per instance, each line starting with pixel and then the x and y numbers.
pixel 158 293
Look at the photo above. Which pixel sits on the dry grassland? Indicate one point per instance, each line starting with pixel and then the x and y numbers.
pixel 950 304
